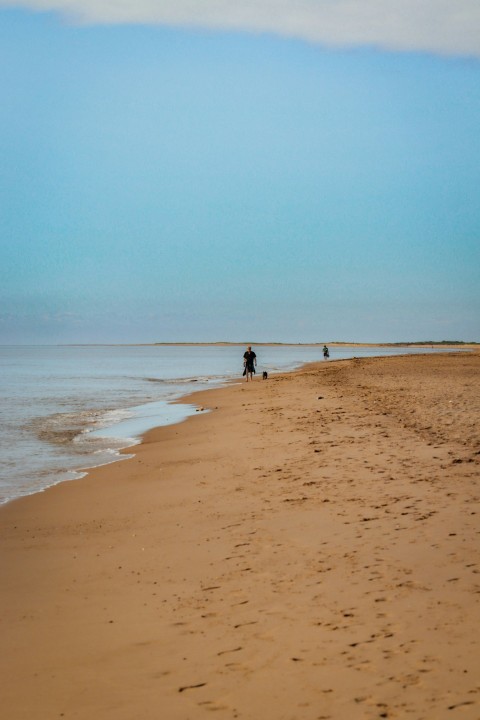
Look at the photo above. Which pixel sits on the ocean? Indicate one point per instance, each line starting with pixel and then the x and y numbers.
pixel 67 408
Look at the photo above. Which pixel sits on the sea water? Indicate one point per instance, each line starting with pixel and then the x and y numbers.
pixel 67 408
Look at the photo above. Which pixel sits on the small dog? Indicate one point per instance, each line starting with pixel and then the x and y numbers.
pixel 265 375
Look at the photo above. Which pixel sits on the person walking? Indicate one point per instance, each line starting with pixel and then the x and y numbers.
pixel 249 362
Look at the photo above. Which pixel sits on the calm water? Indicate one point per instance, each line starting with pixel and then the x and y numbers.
pixel 67 408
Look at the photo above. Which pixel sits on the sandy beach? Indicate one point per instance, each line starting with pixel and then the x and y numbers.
pixel 308 550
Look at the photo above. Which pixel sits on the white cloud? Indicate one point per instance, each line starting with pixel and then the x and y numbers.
pixel 449 27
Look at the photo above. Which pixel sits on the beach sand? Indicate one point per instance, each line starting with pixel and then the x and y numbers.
pixel 307 550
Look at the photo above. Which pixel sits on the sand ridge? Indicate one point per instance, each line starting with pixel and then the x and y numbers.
pixel 308 550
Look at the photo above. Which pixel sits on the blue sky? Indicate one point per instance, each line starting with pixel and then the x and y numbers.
pixel 183 183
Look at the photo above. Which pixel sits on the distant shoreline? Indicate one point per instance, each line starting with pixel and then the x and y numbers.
pixel 441 344
pixel 419 344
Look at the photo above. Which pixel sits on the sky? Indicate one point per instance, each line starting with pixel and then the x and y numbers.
pixel 186 171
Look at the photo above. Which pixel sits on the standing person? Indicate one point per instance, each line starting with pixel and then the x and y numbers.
pixel 249 361
pixel 326 353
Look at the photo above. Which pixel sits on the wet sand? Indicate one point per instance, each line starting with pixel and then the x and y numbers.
pixel 307 550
